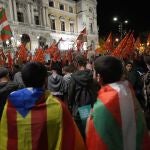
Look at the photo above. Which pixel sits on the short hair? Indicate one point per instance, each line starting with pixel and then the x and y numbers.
pixel 25 38
pixel 147 59
pixel 80 60
pixel 34 74
pixel 3 72
pixel 110 68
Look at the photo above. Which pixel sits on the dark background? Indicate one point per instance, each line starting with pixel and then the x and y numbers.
pixel 137 12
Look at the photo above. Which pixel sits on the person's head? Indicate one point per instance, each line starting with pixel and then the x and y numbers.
pixel 4 74
pixel 109 69
pixel 34 74
pixel 147 61
pixel 80 61
pixel 55 67
pixel 128 66
pixel 25 38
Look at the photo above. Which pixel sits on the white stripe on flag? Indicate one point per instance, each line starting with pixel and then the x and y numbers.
pixel 3 24
pixel 127 114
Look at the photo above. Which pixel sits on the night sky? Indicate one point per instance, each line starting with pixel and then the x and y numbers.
pixel 136 11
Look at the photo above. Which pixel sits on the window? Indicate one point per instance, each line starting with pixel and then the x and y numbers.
pixel 91 28
pixel 72 27
pixel 62 26
pixel 52 22
pixel 51 3
pixel 61 6
pixel 70 9
pixel 20 17
pixel 36 19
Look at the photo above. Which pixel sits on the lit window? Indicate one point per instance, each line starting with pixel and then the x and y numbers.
pixel 72 27
pixel 62 26
pixel 70 9
pixel 52 22
pixel 20 17
pixel 61 6
pixel 51 3
pixel 36 19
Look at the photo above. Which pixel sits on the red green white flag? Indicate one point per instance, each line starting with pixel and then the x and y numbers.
pixel 117 122
pixel 5 30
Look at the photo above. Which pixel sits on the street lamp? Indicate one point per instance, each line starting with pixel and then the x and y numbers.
pixel 115 19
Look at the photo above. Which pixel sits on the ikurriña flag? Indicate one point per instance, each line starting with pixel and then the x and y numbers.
pixel 117 121
pixel 5 30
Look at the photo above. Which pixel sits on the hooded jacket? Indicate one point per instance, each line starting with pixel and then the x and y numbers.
pixel 79 80
pixel 5 89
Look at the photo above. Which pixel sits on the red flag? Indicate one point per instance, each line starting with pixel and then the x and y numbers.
pixel 129 46
pixel 121 46
pixel 81 39
pixel 22 53
pixel 2 57
pixel 108 45
pixel 137 43
pixel 9 59
pixel 5 31
pixel 39 56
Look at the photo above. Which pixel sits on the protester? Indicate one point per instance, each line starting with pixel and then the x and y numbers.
pixel 147 90
pixel 116 121
pixel 6 87
pixel 34 119
pixel 82 90
pixel 56 84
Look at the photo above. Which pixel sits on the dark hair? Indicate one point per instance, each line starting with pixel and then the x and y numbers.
pixel 147 59
pixel 109 68
pixel 25 38
pixel 34 74
pixel 80 60
pixel 3 72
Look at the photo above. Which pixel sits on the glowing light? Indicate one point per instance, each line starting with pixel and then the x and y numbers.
pixel 115 19
pixel 38 37
pixel 117 40
pixel 7 42
pixel 12 38
pixel 20 35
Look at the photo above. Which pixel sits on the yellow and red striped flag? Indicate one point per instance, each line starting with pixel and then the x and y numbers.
pixel 35 120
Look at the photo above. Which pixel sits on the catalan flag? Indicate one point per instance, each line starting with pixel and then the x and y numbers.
pixel 117 122
pixel 35 120
pixel 5 31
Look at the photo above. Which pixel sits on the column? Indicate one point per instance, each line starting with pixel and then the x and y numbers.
pixel 32 14
pixel 11 10
pixel 43 16
pixel 15 11
pixel 47 17
pixel 29 13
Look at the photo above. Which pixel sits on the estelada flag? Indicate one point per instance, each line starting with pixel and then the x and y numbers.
pixel 137 43
pixel 117 122
pixel 39 56
pixel 35 120
pixel 5 30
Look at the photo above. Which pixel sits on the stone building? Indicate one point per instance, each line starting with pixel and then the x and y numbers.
pixel 52 19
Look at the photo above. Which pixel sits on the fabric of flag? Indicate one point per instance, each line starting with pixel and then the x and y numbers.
pixel 81 39
pixel 108 45
pixel 2 58
pixel 137 43
pixel 39 56
pixel 22 53
pixel 35 120
pixel 117 51
pixel 129 48
pixel 5 30
pixel 9 59
pixel 117 122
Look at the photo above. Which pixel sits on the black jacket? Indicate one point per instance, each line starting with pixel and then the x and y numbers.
pixel 82 80
pixel 5 89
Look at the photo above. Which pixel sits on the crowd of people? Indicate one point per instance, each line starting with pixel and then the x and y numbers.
pixel 96 104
